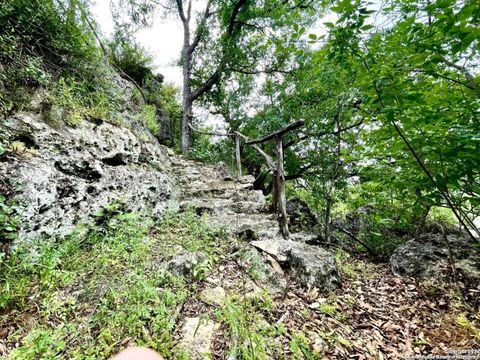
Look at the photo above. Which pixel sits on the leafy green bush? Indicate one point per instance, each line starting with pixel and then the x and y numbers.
pixel 212 152
pixel 40 38
pixel 102 285
pixel 131 59
pixel 442 216
pixel 148 117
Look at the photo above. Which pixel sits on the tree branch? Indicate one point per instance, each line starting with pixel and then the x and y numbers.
pixel 268 159
pixel 469 77
pixel 181 12
pixel 201 26
pixel 211 133
pixel 234 15
pixel 207 85
pixel 279 133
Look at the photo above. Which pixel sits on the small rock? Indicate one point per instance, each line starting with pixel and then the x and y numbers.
pixel 318 344
pixel 197 336
pixel 184 264
pixel 213 296
pixel 314 305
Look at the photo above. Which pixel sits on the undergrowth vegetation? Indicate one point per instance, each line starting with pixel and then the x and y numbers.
pixel 102 287
pixel 52 48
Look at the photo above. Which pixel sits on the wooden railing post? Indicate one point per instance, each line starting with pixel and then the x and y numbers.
pixel 274 191
pixel 237 155
pixel 279 202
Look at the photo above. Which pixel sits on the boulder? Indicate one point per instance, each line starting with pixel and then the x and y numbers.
pixel 358 218
pixel 314 267
pixel 311 265
pixel 164 134
pixel 263 270
pixel 300 215
pixel 427 254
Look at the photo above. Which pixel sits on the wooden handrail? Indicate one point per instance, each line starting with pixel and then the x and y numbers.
pixel 277 168
pixel 268 159
pixel 279 133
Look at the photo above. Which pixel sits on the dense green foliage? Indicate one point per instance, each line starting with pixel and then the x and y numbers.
pixel 53 48
pixel 389 97
pixel 43 41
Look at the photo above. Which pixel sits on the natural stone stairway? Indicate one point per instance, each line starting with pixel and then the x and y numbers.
pixel 243 211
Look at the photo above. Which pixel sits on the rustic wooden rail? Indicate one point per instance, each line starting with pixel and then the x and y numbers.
pixel 279 202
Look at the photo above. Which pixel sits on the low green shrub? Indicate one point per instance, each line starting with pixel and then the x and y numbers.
pixel 8 221
pixel 148 117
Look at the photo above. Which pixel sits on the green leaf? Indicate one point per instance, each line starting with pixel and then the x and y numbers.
pixel 312 36
pixel 299 52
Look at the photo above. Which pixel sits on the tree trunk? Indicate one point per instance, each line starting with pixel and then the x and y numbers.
pixel 274 191
pixel 423 220
pixel 328 212
pixel 282 202
pixel 187 102
pixel 237 156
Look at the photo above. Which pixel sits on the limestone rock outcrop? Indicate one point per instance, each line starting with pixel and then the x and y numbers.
pixel 58 176
pixel 427 254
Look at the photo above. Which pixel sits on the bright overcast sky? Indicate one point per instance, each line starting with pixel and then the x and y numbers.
pixel 163 40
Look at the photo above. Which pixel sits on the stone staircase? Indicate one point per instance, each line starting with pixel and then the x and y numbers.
pixel 243 211
pixel 232 203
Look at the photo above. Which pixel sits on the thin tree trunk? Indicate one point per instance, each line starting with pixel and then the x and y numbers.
pixel 187 102
pixel 237 155
pixel 328 211
pixel 423 220
pixel 274 191
pixel 282 202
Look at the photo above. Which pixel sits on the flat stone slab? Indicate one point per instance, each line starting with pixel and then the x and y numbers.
pixel 197 337
pixel 277 248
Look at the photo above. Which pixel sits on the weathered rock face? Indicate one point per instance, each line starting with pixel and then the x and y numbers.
pixel 300 215
pixel 311 265
pixel 165 133
pixel 427 254
pixel 358 219
pixel 59 176
pixel 264 270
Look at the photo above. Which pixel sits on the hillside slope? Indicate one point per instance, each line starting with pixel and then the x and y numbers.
pixel 124 243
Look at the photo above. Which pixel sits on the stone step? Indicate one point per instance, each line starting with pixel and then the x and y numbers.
pixel 214 185
pixel 256 225
pixel 230 205
pixel 239 194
